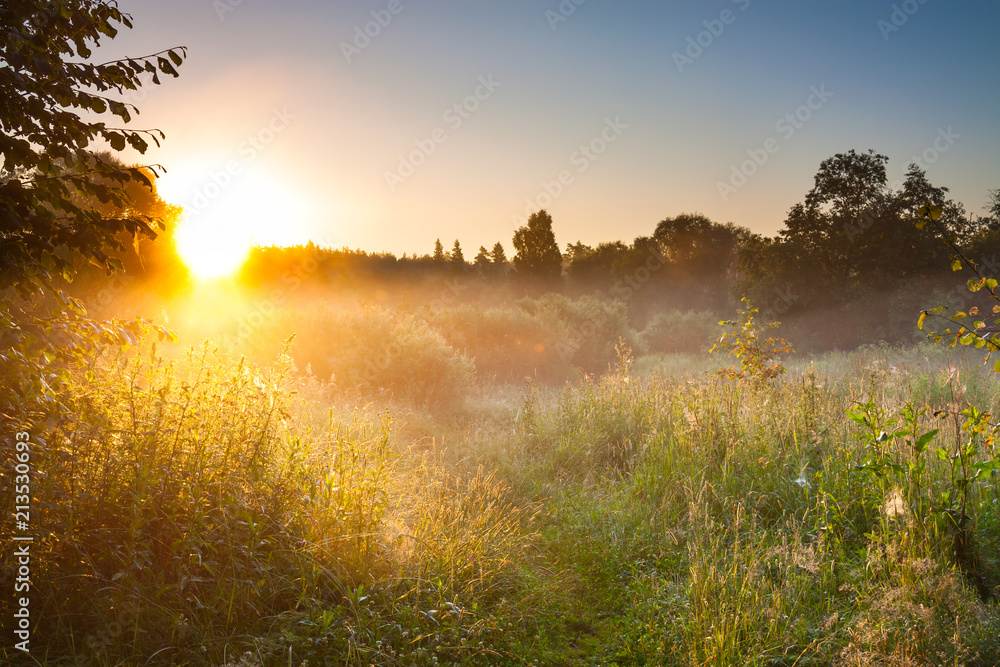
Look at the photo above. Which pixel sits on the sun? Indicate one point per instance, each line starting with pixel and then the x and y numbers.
pixel 211 248
pixel 216 234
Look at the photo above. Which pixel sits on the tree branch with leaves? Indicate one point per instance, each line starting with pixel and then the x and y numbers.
pixel 62 202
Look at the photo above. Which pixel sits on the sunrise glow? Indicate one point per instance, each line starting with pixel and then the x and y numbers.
pixel 221 225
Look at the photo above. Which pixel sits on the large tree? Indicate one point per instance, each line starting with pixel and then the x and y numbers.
pixel 497 255
pixel 699 255
pixel 858 235
pixel 61 200
pixel 852 249
pixel 538 255
pixel 593 268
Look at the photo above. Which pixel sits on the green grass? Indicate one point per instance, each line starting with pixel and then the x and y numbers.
pixel 207 511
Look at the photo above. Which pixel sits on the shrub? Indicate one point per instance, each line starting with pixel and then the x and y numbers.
pixel 373 352
pixel 758 356
pixel 506 343
pixel 679 332
pixel 593 328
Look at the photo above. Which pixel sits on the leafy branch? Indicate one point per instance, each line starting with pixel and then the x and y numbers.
pixel 977 333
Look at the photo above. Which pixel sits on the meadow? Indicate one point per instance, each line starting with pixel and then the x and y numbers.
pixel 230 444
pixel 396 487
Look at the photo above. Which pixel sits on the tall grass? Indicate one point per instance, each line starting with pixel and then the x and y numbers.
pixel 202 506
pixel 210 511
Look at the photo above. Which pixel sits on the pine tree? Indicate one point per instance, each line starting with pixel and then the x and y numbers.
pixel 456 256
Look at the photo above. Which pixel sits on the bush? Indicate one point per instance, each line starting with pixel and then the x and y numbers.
pixel 507 344
pixel 373 352
pixel 679 332
pixel 592 328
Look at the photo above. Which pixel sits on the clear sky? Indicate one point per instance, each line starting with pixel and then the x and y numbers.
pixel 612 115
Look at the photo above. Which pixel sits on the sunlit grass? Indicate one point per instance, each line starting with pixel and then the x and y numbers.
pixel 210 511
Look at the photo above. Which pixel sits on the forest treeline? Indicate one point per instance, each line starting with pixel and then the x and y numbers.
pixel 849 266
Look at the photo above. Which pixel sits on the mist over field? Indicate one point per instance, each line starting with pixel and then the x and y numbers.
pixel 440 333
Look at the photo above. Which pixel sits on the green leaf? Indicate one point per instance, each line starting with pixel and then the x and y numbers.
pixel 924 440
pixel 166 67
pixel 956 265
pixel 930 210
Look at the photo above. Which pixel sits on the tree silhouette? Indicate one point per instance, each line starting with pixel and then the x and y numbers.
pixel 497 255
pixel 994 208
pixel 456 256
pixel 538 255
pixel 438 256
pixel 852 249
pixel 594 268
pixel 699 254
pixel 482 262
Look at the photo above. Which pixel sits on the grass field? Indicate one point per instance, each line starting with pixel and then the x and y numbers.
pixel 202 510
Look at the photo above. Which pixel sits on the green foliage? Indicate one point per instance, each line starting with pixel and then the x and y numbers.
pixel 965 328
pixel 849 248
pixel 605 424
pixel 62 203
pixel 941 513
pixel 758 356
pixel 46 159
pixel 621 519
pixel 179 503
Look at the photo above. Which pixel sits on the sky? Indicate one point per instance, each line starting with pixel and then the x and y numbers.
pixel 383 125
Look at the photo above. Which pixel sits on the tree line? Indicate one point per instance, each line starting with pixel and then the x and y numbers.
pixel 851 247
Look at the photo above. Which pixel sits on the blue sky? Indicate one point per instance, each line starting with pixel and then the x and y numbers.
pixel 371 152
